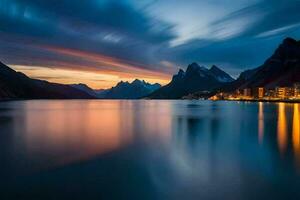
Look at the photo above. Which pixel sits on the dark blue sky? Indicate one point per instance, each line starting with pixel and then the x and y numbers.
pixel 149 39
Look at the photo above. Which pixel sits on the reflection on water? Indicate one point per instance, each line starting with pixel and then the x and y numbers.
pixel 282 128
pixel 73 131
pixel 296 134
pixel 150 149
pixel 261 122
pixel 63 132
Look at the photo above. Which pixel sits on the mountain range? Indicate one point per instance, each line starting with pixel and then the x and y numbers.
pixel 196 78
pixel 125 90
pixel 85 88
pixel 16 85
pixel 281 69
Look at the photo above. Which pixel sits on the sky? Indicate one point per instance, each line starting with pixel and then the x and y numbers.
pixel 101 42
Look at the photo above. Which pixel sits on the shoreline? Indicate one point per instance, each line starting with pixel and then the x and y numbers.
pixel 265 100
pixel 237 100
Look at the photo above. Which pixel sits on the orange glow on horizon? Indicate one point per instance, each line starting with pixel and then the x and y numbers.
pixel 112 65
pixel 95 80
pixel 96 70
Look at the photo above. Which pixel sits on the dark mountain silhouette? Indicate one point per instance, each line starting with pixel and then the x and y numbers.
pixel 281 69
pixel 125 90
pixel 16 85
pixel 85 88
pixel 220 75
pixel 195 79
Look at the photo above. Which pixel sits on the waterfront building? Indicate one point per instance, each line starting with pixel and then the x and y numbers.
pixel 271 93
pixel 261 92
pixel 258 93
pixel 297 89
pixel 284 92
pixel 247 92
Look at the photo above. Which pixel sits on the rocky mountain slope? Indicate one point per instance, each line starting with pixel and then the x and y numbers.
pixel 195 79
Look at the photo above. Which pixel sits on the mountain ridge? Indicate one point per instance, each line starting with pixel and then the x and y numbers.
pixel 85 88
pixel 16 85
pixel 196 78
pixel 282 68
pixel 126 90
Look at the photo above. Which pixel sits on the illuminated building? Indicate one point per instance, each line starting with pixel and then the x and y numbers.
pixel 271 93
pixel 247 92
pixel 214 98
pixel 238 92
pixel 284 92
pixel 297 89
pixel 261 92
pixel 218 96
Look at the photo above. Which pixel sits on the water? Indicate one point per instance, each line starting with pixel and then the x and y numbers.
pixel 149 150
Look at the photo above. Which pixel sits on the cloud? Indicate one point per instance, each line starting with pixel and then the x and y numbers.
pixel 152 38
pixel 278 31
pixel 112 28
pixel 243 38
pixel 268 15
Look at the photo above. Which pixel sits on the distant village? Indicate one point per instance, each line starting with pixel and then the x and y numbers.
pixel 261 93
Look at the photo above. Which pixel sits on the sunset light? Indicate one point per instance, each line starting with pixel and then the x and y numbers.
pixel 149 99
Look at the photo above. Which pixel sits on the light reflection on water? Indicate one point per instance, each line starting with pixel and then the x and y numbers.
pixel 66 132
pixel 296 135
pixel 261 122
pixel 163 149
pixel 282 128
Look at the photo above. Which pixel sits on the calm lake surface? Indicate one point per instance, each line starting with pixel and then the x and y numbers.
pixel 149 150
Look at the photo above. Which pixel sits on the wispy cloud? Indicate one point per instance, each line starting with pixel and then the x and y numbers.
pixel 148 39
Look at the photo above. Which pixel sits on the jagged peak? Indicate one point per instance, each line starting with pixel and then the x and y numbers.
pixel 214 67
pixel 122 83
pixel 137 81
pixel 194 64
pixel 81 84
pixel 195 67
pixel 290 41
pixel 180 72
pixel 157 84
pixel 287 50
